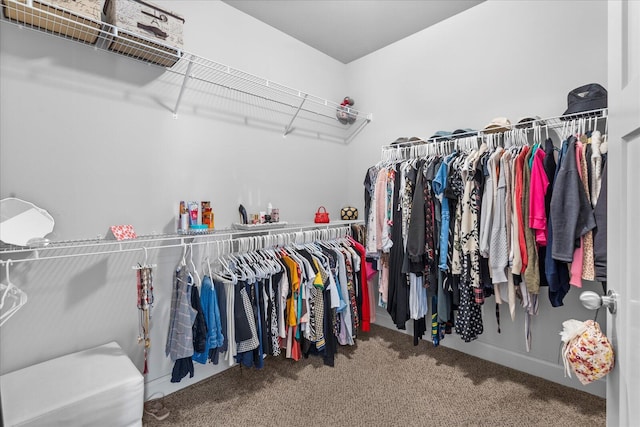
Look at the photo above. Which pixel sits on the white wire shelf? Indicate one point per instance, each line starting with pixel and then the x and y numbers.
pixel 263 100
pixel 195 81
pixel 421 147
pixel 245 240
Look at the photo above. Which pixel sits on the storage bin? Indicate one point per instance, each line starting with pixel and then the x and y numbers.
pixel 98 387
pixel 145 31
pixel 76 19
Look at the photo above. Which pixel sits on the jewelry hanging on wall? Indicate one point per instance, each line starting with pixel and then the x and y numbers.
pixel 145 303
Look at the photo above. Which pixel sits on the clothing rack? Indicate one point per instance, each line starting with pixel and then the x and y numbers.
pixel 227 240
pixel 517 134
pixel 255 243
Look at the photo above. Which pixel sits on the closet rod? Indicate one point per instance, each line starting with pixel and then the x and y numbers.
pixel 253 243
pixel 549 123
pixel 117 246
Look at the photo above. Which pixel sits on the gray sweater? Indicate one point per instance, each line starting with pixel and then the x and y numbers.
pixel 571 213
pixel 498 249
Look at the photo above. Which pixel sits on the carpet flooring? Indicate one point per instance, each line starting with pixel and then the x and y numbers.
pixel 381 381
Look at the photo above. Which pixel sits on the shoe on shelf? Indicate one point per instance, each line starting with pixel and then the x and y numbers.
pixel 156 409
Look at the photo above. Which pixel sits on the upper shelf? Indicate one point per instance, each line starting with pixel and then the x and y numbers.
pixel 571 123
pixel 198 82
pixel 257 238
pixel 241 93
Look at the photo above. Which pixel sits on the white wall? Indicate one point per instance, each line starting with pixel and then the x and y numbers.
pixel 500 58
pixel 85 136
pixel 64 102
pixel 90 137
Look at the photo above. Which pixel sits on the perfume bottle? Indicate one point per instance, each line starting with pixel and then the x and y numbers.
pixel 183 222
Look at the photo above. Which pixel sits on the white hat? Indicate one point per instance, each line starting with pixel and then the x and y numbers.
pixel 499 124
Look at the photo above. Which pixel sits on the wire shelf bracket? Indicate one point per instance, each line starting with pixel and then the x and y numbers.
pixel 289 126
pixel 187 75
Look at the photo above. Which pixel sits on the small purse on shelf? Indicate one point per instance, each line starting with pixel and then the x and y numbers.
pixel 322 216
pixel 349 213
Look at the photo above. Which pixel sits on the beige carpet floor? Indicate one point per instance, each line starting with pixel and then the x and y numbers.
pixel 382 381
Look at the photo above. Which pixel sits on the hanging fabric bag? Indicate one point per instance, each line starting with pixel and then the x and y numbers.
pixel 322 216
pixel 586 350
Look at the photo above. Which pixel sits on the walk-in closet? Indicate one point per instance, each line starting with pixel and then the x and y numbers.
pixel 334 212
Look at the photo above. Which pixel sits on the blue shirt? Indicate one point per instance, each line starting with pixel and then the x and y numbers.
pixel 211 311
pixel 439 185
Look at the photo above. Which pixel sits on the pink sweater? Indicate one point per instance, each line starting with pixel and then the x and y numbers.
pixel 538 191
pixel 578 254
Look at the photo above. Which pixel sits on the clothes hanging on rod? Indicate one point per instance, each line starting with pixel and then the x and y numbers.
pixel 211 311
pixel 476 217
pixel 179 346
pixel 305 297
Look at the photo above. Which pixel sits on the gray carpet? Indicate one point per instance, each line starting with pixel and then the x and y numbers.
pixel 383 380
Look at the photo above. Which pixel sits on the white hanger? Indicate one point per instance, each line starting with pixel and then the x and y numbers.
pixel 536 134
pixel 183 262
pixel 193 266
pixel 144 264
pixel 230 275
pixel 8 285
pixel 206 261
pixel 209 267
pixel 267 262
pixel 261 264
pixel 10 293
pixel 238 272
pixel 249 264
pixel 250 274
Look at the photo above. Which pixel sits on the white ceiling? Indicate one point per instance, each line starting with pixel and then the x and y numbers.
pixel 350 29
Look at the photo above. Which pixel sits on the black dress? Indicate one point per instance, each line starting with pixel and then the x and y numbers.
pixel 398 300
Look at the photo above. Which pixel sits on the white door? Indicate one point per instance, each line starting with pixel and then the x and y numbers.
pixel 623 211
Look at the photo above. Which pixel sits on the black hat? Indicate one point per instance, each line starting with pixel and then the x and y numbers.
pixel 460 133
pixel 529 121
pixel 400 140
pixel 440 135
pixel 586 98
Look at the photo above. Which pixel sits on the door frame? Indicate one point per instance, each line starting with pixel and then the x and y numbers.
pixel 623 383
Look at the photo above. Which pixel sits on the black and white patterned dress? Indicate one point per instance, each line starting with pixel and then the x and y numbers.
pixel 469 321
